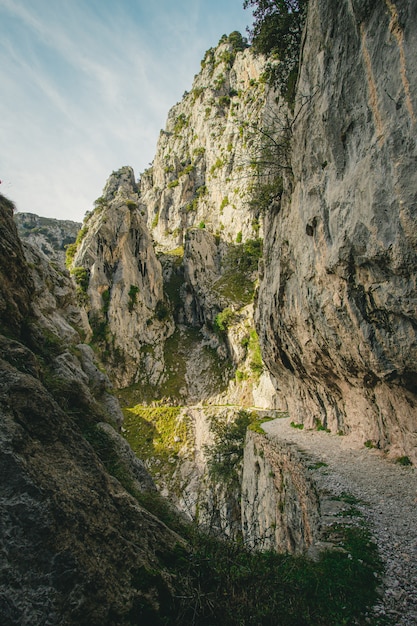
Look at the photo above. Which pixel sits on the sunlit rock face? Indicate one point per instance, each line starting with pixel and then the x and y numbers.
pixel 50 235
pixel 337 306
pixel 123 288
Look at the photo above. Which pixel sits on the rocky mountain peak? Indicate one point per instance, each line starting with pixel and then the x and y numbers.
pixel 121 184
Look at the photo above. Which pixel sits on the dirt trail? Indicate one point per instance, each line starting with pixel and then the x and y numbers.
pixel 389 492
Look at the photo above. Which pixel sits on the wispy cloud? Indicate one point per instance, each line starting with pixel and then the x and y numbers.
pixel 86 88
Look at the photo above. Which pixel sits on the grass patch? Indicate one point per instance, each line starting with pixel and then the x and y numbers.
pixel 404 460
pixel 156 435
pixel 229 585
pixel 235 287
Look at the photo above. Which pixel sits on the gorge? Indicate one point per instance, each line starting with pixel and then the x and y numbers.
pixel 263 268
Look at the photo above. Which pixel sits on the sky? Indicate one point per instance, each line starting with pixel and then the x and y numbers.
pixel 86 86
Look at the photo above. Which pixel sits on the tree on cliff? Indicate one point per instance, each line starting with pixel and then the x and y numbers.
pixel 276 32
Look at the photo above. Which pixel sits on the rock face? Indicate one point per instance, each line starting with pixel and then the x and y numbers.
pixel 336 310
pixel 182 247
pixel 76 547
pixel 121 282
pixel 203 171
pixel 280 506
pixel 50 235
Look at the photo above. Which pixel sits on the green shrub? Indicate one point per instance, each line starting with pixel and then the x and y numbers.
pixel 254 349
pixel 81 277
pixel 224 101
pixel 133 293
pixel 404 460
pixel 223 320
pixel 161 311
pixel 155 220
pixel 224 203
pixel 239 237
pixel 105 296
pixel 217 165
pixel 225 455
pixel 180 123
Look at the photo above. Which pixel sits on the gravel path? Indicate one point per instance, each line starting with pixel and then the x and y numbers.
pixel 390 493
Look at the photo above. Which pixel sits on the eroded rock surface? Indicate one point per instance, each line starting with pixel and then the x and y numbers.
pixel 337 305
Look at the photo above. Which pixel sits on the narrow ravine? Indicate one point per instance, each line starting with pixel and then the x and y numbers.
pixel 388 493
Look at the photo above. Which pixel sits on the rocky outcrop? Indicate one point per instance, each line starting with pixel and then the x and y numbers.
pixel 76 547
pixel 280 504
pixel 49 235
pixel 336 310
pixel 203 171
pixel 120 279
pixel 180 250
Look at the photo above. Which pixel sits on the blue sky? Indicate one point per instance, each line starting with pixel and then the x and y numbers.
pixel 86 85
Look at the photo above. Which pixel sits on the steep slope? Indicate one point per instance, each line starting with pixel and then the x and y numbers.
pixel 180 250
pixel 76 547
pixel 202 173
pixel 120 282
pixel 50 235
pixel 336 310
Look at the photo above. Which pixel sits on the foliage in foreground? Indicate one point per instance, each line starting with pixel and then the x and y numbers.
pixel 218 582
pixel 226 584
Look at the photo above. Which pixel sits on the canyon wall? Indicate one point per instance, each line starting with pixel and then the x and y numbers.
pixel 76 547
pixel 337 304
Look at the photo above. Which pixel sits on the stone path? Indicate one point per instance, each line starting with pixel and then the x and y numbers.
pixel 389 492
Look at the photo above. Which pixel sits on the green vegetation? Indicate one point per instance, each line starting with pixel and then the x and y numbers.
pixel 217 165
pixel 72 248
pixel 225 455
pixel 403 460
pixel 262 196
pixel 187 170
pixel 156 434
pixel 173 184
pixel 81 277
pixel 181 122
pixel 100 328
pixel 224 319
pixel 254 350
pixel 246 256
pixel 155 220
pixel 224 203
pixel 133 294
pixel 295 425
pixel 276 32
pixel 105 296
pixel 240 264
pixel 239 237
pixel 224 101
pixel 229 585
pixel 161 311
pixel 319 426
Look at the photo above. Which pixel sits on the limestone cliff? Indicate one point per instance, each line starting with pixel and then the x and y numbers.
pixel 65 520
pixel 202 173
pixel 50 235
pixel 180 250
pixel 120 280
pixel 336 310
